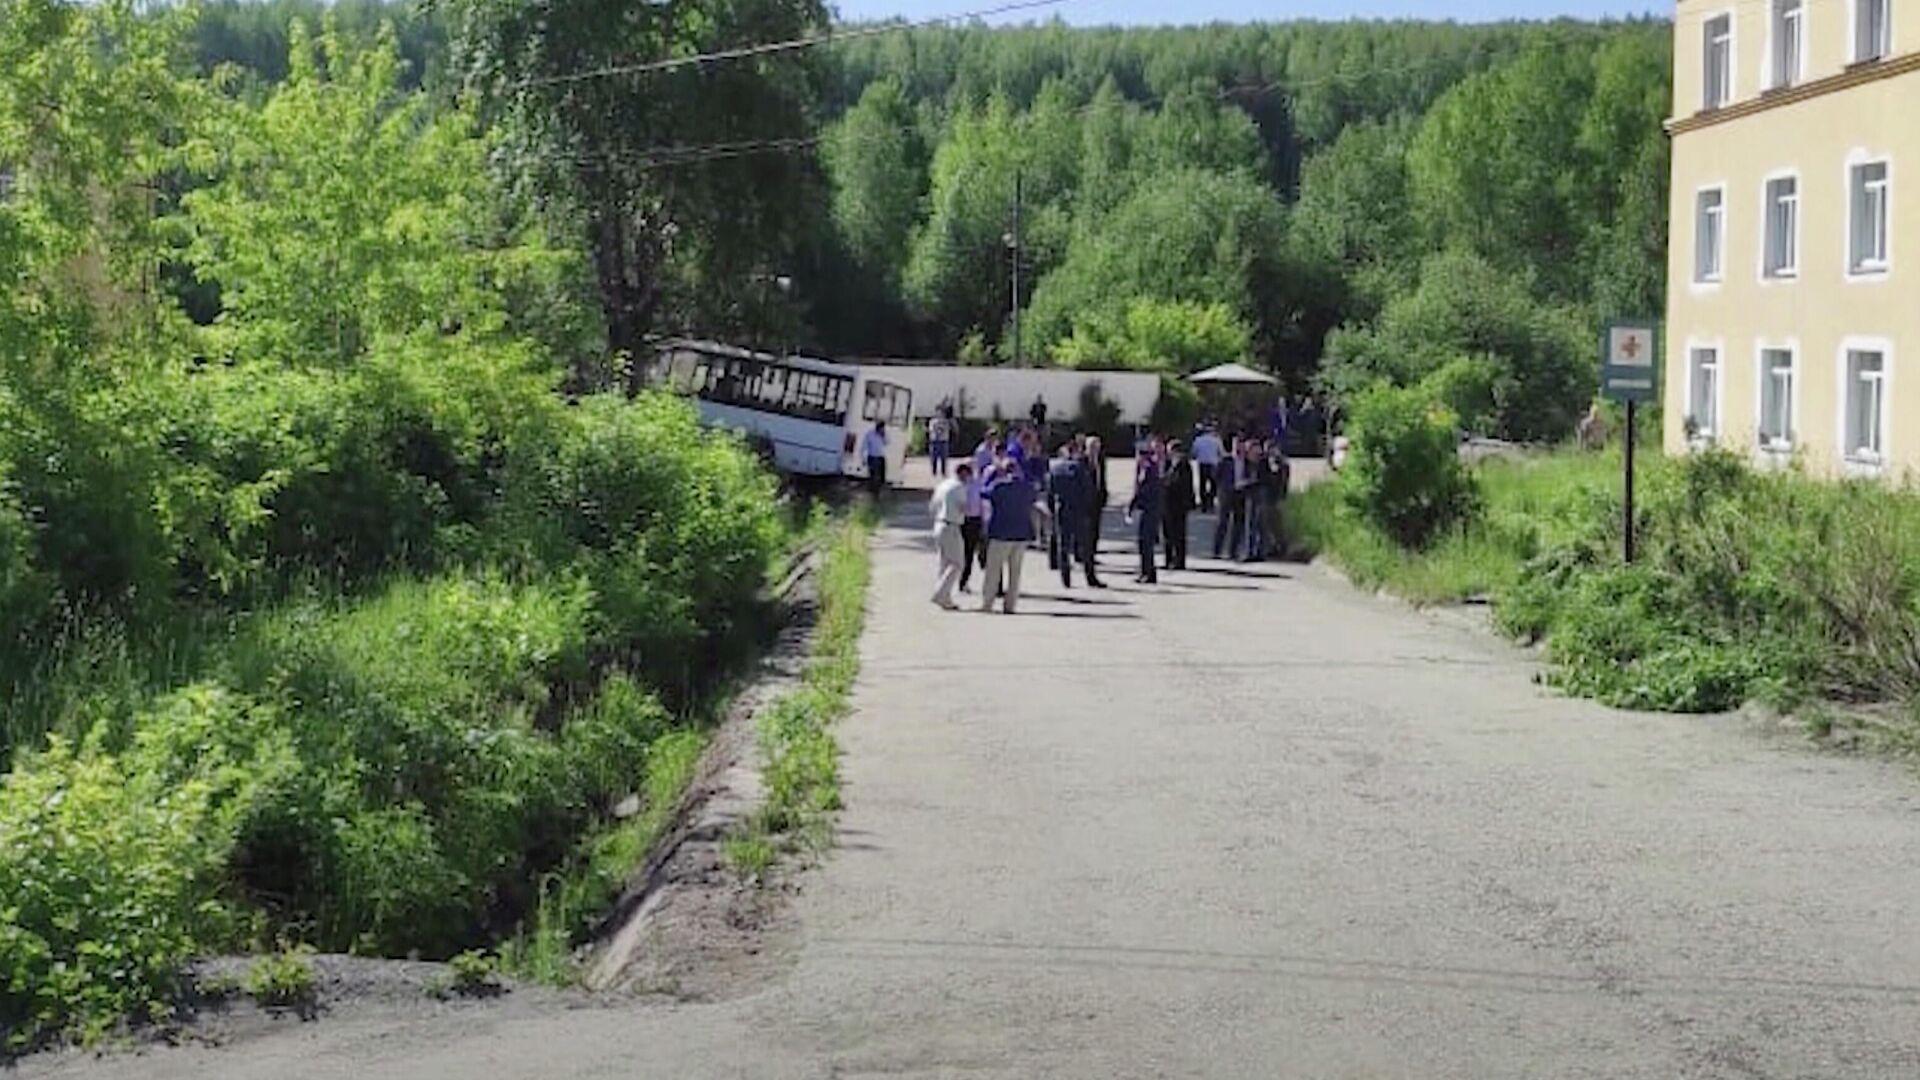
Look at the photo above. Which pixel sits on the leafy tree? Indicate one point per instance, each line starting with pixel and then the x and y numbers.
pixel 1466 307
pixel 1489 166
pixel 878 172
pixel 1188 235
pixel 1176 336
pixel 344 209
pixel 1354 218
pixel 677 233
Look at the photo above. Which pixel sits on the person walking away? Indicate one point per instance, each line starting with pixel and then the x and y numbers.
pixel 1068 492
pixel 1206 454
pixel 1179 502
pixel 949 506
pixel 1228 526
pixel 874 445
pixel 973 538
pixel 1149 496
pixel 939 434
pixel 1010 508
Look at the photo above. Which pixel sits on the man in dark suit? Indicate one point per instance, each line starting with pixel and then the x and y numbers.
pixel 1180 501
pixel 1070 493
pixel 1149 500
pixel 1229 481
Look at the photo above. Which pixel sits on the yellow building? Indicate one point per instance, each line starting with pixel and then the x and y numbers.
pixel 1789 314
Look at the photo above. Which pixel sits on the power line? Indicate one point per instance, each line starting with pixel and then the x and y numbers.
pixel 666 157
pixel 792 45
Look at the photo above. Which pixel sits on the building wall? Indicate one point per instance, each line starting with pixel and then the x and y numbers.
pixel 1839 115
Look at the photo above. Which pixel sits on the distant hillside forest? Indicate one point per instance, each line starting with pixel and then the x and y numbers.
pixel 1337 202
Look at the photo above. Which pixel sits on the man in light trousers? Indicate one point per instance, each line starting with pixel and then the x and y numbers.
pixel 949 506
pixel 1011 504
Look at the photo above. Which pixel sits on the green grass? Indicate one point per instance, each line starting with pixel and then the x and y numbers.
pixel 800 757
pixel 1478 560
pixel 573 898
pixel 1750 586
pixel 750 855
pixel 284 979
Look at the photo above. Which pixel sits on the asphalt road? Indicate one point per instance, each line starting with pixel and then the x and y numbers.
pixel 1251 823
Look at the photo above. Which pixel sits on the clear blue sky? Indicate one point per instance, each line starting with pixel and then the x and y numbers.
pixel 1149 12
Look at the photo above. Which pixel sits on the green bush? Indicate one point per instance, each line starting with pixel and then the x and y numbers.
pixel 429 775
pixel 1465 306
pixel 1404 473
pixel 674 527
pixel 26 591
pixel 1468 386
pixel 110 879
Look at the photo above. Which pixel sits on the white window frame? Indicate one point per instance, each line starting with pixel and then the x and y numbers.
pixel 1777 79
pixel 1882 48
pixel 1855 463
pixel 1720 271
pixel 1764 373
pixel 1883 269
pixel 1717 346
pixel 1791 272
pixel 1708 100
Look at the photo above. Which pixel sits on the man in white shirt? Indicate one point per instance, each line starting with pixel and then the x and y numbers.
pixel 1207 452
pixel 949 506
pixel 874 445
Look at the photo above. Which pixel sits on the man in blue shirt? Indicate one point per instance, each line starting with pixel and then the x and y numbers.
pixel 1010 510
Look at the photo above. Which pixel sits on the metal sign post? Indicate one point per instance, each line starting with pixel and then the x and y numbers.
pixel 1630 373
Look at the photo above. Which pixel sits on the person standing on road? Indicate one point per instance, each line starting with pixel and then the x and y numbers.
pixel 939 434
pixel 1278 477
pixel 1149 495
pixel 1096 510
pixel 1256 483
pixel 1230 524
pixel 1069 492
pixel 1207 452
pixel 1034 462
pixel 986 454
pixel 973 538
pixel 874 445
pixel 949 506
pixel 1180 501
pixel 1010 510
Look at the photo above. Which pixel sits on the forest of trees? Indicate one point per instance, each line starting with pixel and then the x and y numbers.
pixel 1271 193
pixel 1336 202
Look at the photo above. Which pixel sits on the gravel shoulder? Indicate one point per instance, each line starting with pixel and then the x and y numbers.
pixel 1251 823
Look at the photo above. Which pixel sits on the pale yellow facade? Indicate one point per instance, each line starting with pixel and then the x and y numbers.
pixel 1793 321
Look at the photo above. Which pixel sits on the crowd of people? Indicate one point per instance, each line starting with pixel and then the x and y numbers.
pixel 1009 498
